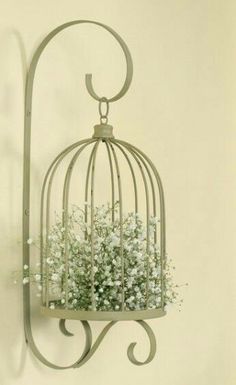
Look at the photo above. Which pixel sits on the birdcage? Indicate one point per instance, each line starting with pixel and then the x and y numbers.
pixel 102 228
pixel 104 261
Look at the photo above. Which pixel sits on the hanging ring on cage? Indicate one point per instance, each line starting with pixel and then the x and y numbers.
pixel 103 115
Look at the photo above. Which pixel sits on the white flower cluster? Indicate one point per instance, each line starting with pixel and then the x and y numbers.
pixel 141 277
pixel 102 281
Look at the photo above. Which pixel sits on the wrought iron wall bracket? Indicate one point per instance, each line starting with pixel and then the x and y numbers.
pixel 89 348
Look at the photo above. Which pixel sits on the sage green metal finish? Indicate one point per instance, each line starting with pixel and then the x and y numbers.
pixel 103 134
pixel 130 315
pixel 92 224
pixel 112 183
pixel 120 200
pixel 103 131
pixel 90 350
pixel 152 340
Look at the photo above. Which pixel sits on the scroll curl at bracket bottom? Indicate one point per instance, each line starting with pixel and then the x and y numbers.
pixel 90 349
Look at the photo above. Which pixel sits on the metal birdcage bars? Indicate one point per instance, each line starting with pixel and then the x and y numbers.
pixel 147 170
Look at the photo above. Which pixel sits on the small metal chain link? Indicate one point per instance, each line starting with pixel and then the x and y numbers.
pixel 103 115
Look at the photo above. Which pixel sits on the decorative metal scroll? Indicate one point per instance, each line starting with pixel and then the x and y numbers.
pixel 89 348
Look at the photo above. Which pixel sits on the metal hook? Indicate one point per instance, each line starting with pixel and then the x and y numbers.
pixel 129 69
pixel 88 77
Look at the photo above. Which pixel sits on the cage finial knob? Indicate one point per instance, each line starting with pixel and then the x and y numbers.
pixel 103 131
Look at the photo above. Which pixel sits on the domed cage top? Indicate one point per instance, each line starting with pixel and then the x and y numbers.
pixel 102 228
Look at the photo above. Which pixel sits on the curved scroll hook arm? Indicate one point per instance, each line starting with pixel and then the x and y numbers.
pixel 88 77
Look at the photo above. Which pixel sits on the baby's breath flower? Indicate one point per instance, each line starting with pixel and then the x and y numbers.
pixel 55 277
pixel 37 277
pixel 106 264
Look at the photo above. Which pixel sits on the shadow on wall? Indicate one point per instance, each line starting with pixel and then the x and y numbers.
pixel 13 68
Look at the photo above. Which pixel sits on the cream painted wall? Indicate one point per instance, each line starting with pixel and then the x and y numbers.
pixel 181 111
